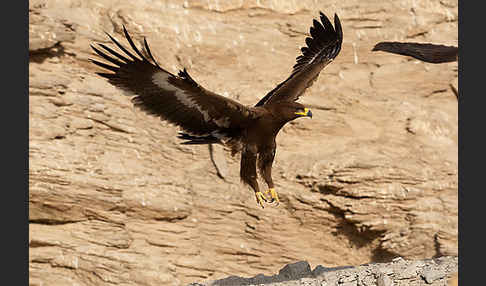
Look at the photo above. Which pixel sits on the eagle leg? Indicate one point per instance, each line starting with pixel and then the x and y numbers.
pixel 260 197
pixel 265 161
pixel 248 172
pixel 273 195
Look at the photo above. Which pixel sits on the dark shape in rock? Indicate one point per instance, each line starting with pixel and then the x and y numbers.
pixel 296 270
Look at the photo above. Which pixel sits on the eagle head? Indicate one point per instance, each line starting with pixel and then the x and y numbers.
pixel 298 110
pixel 303 112
pixel 288 111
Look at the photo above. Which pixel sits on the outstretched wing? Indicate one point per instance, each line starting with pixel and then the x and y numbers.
pixel 430 53
pixel 322 47
pixel 177 99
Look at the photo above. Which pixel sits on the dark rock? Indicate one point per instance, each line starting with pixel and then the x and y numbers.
pixel 296 270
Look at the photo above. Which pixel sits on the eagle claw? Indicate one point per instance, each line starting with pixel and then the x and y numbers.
pixel 260 197
pixel 274 196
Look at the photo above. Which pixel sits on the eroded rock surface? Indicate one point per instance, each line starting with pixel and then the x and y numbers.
pixel 441 271
pixel 115 199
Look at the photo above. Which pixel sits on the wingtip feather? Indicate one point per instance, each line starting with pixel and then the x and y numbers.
pixel 132 44
pixel 338 27
pixel 105 66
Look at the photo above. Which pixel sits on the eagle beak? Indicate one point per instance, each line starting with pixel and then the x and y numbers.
pixel 306 112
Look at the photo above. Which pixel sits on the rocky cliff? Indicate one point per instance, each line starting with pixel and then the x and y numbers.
pixel 115 199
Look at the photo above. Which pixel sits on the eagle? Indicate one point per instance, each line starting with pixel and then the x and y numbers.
pixel 426 52
pixel 209 118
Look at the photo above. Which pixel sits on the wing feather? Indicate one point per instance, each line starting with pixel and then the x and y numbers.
pixel 121 47
pixel 149 52
pixel 322 47
pixel 426 52
pixel 132 44
pixel 106 57
pixel 175 98
pixel 116 54
pixel 105 66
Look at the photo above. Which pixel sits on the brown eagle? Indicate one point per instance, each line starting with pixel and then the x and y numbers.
pixel 206 117
pixel 430 53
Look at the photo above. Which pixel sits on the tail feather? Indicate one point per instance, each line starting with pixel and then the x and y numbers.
pixel 191 139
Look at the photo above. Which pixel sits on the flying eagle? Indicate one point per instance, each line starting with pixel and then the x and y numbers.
pixel 206 117
pixel 430 53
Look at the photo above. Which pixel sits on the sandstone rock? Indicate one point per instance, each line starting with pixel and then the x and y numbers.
pixel 384 280
pixel 114 198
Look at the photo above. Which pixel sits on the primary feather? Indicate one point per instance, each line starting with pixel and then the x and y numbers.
pixel 175 98
pixel 322 47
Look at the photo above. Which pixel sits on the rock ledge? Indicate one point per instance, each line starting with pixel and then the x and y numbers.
pixel 437 271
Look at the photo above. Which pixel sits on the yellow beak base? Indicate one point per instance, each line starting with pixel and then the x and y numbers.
pixel 307 112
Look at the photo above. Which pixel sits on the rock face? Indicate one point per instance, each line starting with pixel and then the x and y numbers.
pixel 115 199
pixel 441 271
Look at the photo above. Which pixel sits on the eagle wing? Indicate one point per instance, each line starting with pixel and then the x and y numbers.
pixel 175 98
pixel 430 53
pixel 322 47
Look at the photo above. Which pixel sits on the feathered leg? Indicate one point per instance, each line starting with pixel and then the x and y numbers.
pixel 265 161
pixel 248 172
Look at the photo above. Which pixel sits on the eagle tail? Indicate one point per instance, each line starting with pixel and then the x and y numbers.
pixel 191 139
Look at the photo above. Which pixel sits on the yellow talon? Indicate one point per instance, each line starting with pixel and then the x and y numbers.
pixel 260 197
pixel 274 195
